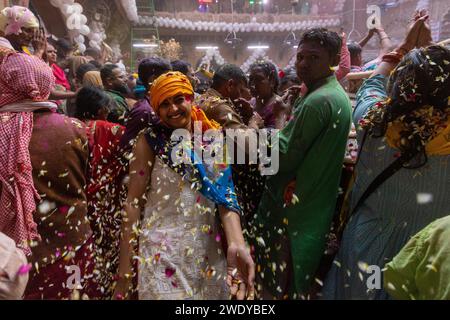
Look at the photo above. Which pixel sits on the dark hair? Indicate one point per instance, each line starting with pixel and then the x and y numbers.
pixel 83 69
pixel 270 71
pixel 204 82
pixel 92 52
pixel 418 90
pixel 181 66
pixel 89 102
pixel 152 67
pixel 63 46
pixel 328 39
pixel 96 64
pixel 355 49
pixel 227 72
pixel 290 75
pixel 107 72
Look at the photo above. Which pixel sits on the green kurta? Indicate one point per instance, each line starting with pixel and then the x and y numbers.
pixel 117 108
pixel 421 271
pixel 312 148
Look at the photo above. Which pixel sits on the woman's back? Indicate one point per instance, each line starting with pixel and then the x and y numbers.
pixel 402 205
pixel 407 201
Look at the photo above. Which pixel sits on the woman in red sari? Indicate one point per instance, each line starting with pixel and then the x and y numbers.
pixel 105 189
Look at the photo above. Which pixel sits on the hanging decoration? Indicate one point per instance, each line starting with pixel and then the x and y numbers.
pixel 290 40
pixel 131 10
pixel 171 50
pixel 210 56
pixel 232 40
pixel 75 21
pixel 97 35
pixel 258 54
pixel 164 22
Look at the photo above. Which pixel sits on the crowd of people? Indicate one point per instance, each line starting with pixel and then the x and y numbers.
pixel 94 205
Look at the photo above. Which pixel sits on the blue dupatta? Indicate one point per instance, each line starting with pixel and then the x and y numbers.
pixel 214 181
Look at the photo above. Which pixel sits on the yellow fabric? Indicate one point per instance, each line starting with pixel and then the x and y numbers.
pixel 20 16
pixel 169 85
pixel 26 50
pixel 197 114
pixel 75 63
pixel 439 146
pixel 208 74
pixel 93 79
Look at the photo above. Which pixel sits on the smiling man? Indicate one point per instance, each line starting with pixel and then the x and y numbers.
pixel 297 207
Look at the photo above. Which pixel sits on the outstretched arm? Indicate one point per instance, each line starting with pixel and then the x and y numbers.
pixel 140 173
pixel 241 268
pixel 419 35
pixel 345 62
pixel 62 95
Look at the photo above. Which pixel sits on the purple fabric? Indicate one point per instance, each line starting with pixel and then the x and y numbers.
pixel 139 118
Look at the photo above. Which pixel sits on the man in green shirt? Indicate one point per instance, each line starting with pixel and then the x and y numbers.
pixel 290 234
pixel 115 82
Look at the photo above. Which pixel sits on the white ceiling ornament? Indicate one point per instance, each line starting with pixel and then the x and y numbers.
pixel 253 26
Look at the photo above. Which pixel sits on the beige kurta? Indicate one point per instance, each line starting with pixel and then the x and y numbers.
pixel 180 257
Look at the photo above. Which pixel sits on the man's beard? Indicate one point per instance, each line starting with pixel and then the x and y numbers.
pixel 123 89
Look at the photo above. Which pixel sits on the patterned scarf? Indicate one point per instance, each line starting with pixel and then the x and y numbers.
pixel 213 180
pixel 25 84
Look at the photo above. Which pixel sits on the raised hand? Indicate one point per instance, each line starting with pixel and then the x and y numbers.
pixel 412 38
pixel 256 121
pixel 291 94
pixel 425 39
pixel 39 43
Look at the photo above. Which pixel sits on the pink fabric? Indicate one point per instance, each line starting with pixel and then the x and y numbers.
pixel 22 78
pixel 17 198
pixel 60 76
pixel 17 18
pixel 5 43
pixel 345 63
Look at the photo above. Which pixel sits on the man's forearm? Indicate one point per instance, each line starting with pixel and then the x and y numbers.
pixel 366 39
pixel 61 95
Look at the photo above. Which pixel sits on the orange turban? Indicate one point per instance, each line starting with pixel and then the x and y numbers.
pixel 171 84
pixel 167 86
